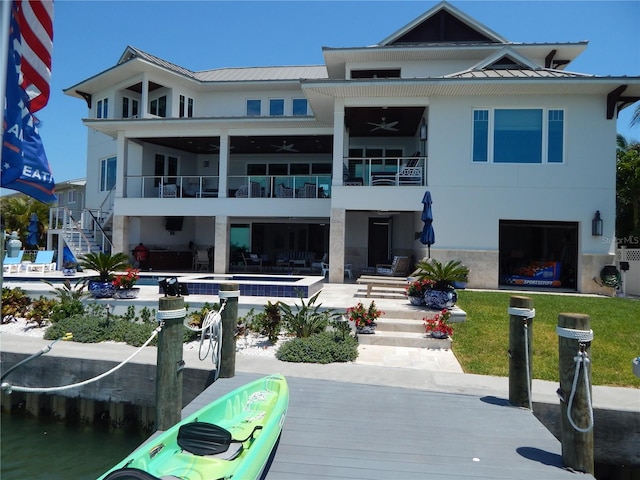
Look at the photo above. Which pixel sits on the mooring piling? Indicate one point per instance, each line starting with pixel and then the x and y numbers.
pixel 576 409
pixel 230 293
pixel 521 315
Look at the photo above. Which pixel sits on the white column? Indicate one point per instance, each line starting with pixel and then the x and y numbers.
pixel 121 164
pixel 144 98
pixel 221 245
pixel 338 141
pixel 223 164
pixel 337 234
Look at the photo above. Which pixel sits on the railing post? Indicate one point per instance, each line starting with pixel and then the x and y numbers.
pixel 230 293
pixel 576 410
pixel 171 314
pixel 521 315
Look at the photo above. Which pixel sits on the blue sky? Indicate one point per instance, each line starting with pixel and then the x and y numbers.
pixel 90 36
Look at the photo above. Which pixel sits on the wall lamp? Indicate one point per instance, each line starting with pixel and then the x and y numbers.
pixel 423 131
pixel 172 288
pixel 596 225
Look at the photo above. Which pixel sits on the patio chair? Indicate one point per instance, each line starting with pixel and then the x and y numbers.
pixel 348 269
pixel 201 260
pixel 411 173
pixel 243 191
pixel 169 191
pixel 43 262
pixel 282 191
pixel 12 264
pixel 397 268
pixel 251 260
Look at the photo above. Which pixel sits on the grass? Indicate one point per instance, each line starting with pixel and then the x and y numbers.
pixel 481 343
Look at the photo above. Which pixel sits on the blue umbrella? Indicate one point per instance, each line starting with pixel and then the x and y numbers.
pixel 34 230
pixel 428 236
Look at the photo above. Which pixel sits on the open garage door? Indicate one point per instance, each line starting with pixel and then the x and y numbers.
pixel 538 254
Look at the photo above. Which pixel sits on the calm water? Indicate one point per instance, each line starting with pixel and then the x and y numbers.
pixel 37 449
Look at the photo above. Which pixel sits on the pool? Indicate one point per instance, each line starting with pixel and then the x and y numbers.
pixel 287 286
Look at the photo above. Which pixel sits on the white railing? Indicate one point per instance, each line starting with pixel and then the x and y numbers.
pixel 390 171
pixel 89 221
pixel 630 278
pixel 279 186
pixel 184 186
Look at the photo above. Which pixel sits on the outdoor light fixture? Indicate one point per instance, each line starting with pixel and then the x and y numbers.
pixel 423 131
pixel 172 288
pixel 596 225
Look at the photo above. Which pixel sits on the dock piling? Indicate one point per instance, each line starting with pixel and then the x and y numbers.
pixel 521 315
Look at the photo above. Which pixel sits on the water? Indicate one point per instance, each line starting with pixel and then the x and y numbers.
pixel 45 449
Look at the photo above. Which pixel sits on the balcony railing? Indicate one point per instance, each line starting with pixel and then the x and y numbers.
pixel 244 186
pixel 394 171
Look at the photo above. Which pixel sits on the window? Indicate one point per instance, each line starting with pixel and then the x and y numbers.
pixel 102 108
pixel 107 174
pixel 71 196
pixel 518 136
pixel 186 104
pixel 299 106
pixel 276 107
pixel 158 106
pixel 129 107
pixel 253 108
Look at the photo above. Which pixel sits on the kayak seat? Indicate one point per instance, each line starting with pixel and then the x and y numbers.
pixel 207 439
pixel 135 474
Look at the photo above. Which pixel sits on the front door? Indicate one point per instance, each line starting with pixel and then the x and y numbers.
pixel 379 240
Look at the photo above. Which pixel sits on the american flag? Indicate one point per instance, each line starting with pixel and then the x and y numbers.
pixel 35 20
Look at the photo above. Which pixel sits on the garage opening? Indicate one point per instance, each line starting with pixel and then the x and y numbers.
pixel 538 254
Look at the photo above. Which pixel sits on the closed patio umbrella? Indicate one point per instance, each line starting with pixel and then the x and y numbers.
pixel 33 230
pixel 428 236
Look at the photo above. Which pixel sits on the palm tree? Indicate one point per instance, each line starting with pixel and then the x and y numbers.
pixel 16 213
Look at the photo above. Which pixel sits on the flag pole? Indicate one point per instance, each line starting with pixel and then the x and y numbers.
pixel 5 15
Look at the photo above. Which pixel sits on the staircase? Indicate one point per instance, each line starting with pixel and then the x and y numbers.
pixel 406 329
pixel 82 235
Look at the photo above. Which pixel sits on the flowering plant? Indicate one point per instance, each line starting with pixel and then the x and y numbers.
pixel 419 287
pixel 128 280
pixel 439 324
pixel 364 317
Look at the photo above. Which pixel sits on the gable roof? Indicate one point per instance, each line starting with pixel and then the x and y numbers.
pixel 443 24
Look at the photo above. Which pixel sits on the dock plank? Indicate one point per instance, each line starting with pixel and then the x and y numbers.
pixel 337 430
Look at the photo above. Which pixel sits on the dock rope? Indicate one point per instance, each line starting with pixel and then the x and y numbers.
pixel 582 361
pixel 10 388
pixel 212 328
pixel 526 313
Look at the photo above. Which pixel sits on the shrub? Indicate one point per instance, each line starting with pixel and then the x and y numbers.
pixel 14 304
pixel 307 320
pixel 40 310
pixel 267 322
pixel 325 347
pixel 85 329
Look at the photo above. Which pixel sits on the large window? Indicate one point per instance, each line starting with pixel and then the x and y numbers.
pixel 186 107
pixel 107 174
pixel 166 167
pixel 299 106
pixel 158 106
pixel 518 136
pixel 253 108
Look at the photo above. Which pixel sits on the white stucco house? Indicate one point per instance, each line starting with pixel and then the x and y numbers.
pixel 517 151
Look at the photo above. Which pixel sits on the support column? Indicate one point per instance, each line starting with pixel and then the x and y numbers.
pixel 221 244
pixel 120 235
pixel 337 235
pixel 338 141
pixel 223 164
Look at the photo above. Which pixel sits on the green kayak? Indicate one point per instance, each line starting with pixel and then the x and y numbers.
pixel 231 437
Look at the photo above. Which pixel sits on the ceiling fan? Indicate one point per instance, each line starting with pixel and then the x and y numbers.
pixel 285 147
pixel 383 125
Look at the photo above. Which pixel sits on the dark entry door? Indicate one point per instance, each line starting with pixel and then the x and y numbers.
pixel 379 240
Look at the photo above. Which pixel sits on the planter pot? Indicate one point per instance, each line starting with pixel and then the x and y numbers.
pixel 367 329
pixel 438 335
pixel 440 299
pixel 99 289
pixel 414 300
pixel 68 272
pixel 127 293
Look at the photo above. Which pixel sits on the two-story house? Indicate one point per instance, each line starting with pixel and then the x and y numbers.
pixel 517 151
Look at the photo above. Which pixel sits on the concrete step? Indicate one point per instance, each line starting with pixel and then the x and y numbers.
pixel 400 325
pixel 403 339
pixel 412 312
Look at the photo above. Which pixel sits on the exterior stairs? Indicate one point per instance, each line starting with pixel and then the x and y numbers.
pixel 406 329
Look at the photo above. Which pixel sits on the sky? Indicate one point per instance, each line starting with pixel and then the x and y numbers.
pixel 91 35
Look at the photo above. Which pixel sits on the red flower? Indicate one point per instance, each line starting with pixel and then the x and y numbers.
pixel 127 280
pixel 364 316
pixel 439 323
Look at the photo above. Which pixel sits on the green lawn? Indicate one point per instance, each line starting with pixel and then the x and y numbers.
pixel 481 343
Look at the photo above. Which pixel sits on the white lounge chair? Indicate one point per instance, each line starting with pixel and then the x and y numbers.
pixel 43 262
pixel 12 264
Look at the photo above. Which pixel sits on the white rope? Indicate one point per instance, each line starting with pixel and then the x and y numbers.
pixel 171 314
pixel 581 360
pixel 522 312
pixel 526 359
pixel 212 324
pixel 581 335
pixel 11 388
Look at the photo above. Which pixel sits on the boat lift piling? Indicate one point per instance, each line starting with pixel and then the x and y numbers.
pixel 171 313
pixel 576 409
pixel 230 293
pixel 521 315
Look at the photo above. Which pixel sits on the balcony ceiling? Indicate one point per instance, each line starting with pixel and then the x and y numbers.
pixel 383 121
pixel 281 144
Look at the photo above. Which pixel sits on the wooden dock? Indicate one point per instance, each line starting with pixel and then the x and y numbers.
pixel 337 430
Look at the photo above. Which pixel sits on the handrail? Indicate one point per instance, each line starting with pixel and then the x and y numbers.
pixel 394 171
pixel 280 186
pixel 108 202
pixel 98 231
